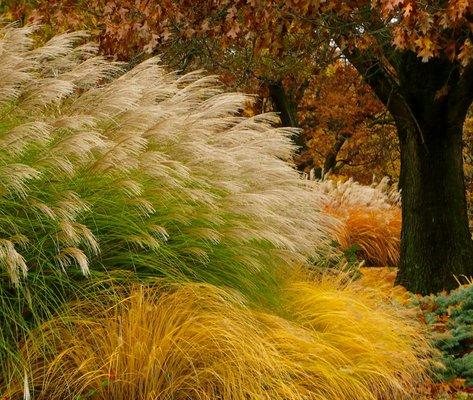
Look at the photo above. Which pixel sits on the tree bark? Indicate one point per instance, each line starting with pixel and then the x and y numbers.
pixel 286 107
pixel 331 158
pixel 436 243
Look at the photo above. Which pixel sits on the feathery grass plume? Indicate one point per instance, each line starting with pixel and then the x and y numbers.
pixel 197 341
pixel 144 170
pixel 370 219
pixel 103 169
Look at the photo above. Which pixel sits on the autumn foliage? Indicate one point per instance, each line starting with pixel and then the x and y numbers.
pixel 268 42
pixel 115 171
pixel 347 129
pixel 126 26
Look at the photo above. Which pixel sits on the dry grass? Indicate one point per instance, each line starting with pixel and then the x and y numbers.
pixel 370 220
pixel 375 234
pixel 200 342
pixel 383 280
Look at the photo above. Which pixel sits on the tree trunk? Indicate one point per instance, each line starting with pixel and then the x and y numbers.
pixel 286 107
pixel 331 158
pixel 436 244
pixel 429 102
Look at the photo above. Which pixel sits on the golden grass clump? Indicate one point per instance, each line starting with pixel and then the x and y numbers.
pixel 370 219
pixel 198 342
pixel 383 280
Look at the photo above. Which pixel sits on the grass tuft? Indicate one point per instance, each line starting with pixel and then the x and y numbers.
pixel 370 220
pixel 197 341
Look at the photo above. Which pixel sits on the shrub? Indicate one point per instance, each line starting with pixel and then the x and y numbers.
pixel 200 342
pixel 449 320
pixel 450 317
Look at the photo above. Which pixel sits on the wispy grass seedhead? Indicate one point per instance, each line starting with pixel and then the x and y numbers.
pixel 100 166
pixel 379 195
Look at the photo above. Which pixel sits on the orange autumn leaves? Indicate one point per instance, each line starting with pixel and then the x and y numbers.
pixel 274 39
pixel 338 107
pixel 424 27
pixel 429 28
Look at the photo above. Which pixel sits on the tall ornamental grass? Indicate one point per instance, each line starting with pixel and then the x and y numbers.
pixel 369 219
pixel 141 172
pixel 109 177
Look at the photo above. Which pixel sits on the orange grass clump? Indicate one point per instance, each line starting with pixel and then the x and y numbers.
pixel 370 220
pixel 198 342
pixel 375 233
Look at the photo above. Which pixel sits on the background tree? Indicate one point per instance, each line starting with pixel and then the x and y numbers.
pixel 347 129
pixel 418 64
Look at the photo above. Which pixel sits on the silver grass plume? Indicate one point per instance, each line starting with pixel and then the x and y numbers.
pixel 94 159
pixel 350 194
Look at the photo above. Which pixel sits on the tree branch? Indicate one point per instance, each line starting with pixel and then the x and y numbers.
pixel 331 158
pixel 463 92
pixel 382 83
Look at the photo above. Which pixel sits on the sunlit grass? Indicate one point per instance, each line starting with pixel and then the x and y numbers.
pixel 197 341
